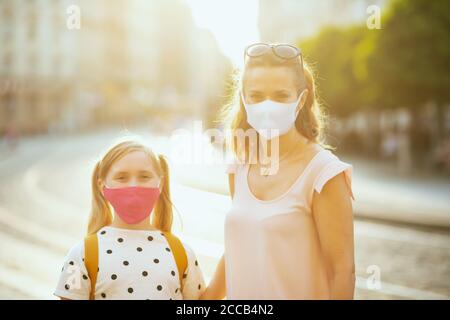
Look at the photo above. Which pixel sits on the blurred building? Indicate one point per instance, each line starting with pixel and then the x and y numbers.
pixel 37 63
pixel 176 66
pixel 129 59
pixel 292 20
pixel 50 73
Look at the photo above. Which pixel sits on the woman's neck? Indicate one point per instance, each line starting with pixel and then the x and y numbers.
pixel 286 143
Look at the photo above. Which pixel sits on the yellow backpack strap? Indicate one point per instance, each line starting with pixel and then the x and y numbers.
pixel 179 253
pixel 91 261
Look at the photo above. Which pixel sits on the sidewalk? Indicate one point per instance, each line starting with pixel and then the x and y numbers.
pixel 383 194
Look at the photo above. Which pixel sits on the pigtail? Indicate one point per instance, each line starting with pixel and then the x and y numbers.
pixel 101 212
pixel 163 212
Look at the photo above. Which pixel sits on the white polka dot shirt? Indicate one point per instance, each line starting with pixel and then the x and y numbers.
pixel 133 264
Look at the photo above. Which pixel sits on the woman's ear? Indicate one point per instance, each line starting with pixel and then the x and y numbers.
pixel 304 97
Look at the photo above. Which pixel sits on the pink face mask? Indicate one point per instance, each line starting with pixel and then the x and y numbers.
pixel 132 204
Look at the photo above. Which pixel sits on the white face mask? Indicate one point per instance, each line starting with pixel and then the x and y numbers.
pixel 270 118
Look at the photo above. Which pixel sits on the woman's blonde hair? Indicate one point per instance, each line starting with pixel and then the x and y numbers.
pixel 311 120
pixel 101 213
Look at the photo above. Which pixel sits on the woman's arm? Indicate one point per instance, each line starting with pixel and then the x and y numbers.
pixel 217 287
pixel 333 215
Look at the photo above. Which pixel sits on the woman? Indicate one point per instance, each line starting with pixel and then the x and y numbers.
pixel 289 233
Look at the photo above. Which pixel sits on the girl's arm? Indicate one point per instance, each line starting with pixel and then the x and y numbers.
pixel 216 289
pixel 73 282
pixel 332 210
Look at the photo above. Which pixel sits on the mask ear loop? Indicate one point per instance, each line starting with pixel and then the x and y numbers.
pixel 298 101
pixel 241 94
pixel 160 183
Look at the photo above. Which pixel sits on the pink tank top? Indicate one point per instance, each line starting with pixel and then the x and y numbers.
pixel 272 249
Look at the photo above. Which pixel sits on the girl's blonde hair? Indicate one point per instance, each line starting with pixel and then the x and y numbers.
pixel 311 120
pixel 101 213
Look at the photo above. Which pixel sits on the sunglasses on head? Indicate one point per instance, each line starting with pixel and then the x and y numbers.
pixel 282 50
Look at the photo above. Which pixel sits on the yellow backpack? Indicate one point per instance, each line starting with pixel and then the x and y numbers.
pixel 91 257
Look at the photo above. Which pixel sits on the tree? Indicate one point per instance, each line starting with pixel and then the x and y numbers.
pixel 405 63
pixel 411 59
pixel 331 54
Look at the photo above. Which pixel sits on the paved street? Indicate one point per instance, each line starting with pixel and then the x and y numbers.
pixel 45 199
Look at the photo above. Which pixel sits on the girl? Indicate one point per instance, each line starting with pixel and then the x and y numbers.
pixel 128 255
pixel 289 234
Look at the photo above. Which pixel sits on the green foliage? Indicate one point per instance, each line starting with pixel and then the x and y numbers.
pixel 331 54
pixel 404 64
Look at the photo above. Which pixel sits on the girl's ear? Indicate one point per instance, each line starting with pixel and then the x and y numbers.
pixel 100 185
